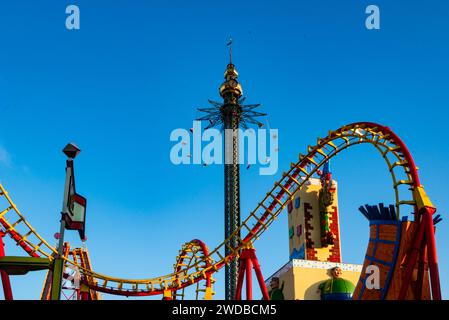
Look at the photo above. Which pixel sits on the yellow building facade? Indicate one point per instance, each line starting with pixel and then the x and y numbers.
pixel 312 258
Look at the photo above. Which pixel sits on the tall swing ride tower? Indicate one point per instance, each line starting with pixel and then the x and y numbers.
pixel 231 114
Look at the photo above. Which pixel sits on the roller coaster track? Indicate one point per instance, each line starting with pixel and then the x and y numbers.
pixel 192 252
pixel 407 188
pixel 78 257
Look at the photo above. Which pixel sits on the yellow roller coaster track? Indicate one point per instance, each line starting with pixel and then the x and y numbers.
pixel 190 253
pixel 405 181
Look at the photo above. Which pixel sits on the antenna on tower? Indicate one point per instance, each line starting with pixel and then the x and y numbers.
pixel 229 44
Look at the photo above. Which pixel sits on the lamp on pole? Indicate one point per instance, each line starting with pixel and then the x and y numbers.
pixel 71 151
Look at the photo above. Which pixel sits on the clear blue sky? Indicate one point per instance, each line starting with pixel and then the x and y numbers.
pixel 137 70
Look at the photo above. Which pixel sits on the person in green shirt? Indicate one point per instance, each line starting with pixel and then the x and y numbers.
pixel 276 292
pixel 336 288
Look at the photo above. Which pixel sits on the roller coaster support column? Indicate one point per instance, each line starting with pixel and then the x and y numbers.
pixel 5 277
pixel 432 255
pixel 84 291
pixel 424 239
pixel 247 258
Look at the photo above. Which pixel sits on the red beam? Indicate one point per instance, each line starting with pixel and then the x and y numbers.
pixel 432 254
pixel 421 272
pixel 259 276
pixel 18 239
pixel 249 280
pixel 411 259
pixel 247 258
pixel 5 277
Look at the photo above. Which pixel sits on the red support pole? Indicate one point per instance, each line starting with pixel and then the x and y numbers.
pixel 249 280
pixel 248 258
pixel 432 254
pixel 84 295
pixel 260 279
pixel 5 277
pixel 412 258
pixel 421 271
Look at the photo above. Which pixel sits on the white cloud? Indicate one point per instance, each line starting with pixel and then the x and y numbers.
pixel 5 158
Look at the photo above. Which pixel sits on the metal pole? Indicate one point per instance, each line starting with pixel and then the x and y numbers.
pixel 58 263
pixel 421 270
pixel 259 276
pixel 249 281
pixel 4 275
pixel 432 255
pixel 232 198
pixel 412 258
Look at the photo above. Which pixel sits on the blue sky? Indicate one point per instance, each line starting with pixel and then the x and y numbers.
pixel 137 70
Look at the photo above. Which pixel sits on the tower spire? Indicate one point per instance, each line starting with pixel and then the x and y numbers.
pixel 231 90
pixel 229 44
